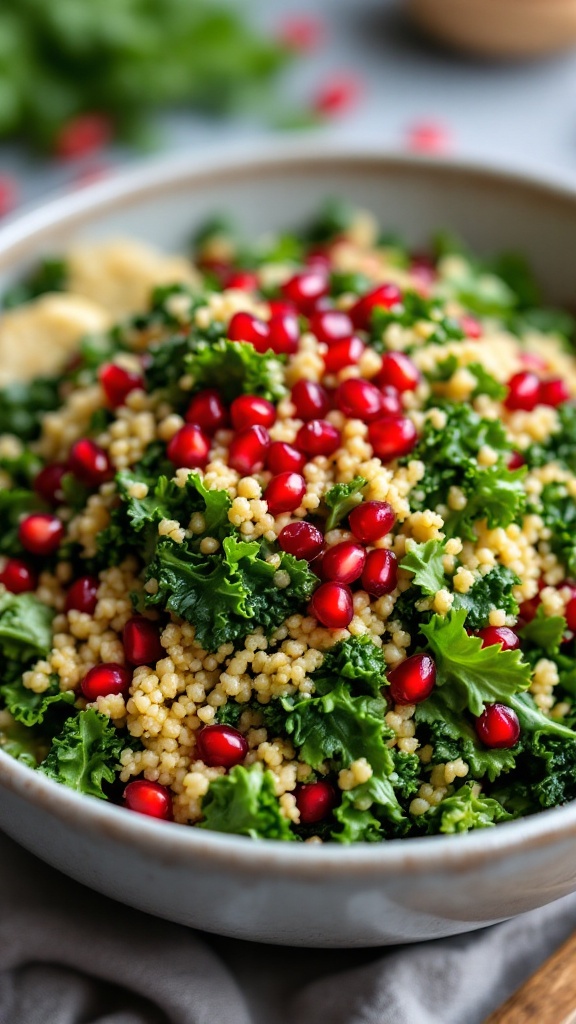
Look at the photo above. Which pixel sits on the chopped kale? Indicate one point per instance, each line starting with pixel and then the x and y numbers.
pixel 341 499
pixel 244 802
pixel 24 403
pixel 464 811
pixel 85 754
pixel 414 309
pixel 50 275
pixel 560 446
pixel 236 368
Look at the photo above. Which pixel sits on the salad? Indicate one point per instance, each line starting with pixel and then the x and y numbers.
pixel 288 550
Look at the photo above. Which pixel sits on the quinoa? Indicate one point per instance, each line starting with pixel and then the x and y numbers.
pixel 289 552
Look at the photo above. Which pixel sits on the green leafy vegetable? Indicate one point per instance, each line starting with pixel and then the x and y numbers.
pixel 453 736
pixel 25 627
pixel 561 445
pixel 464 811
pixel 23 404
pixel 83 756
pixel 244 802
pixel 426 561
pixel 29 707
pixel 486 383
pixel 235 368
pixel 413 309
pixel 50 275
pixel 493 590
pixel 558 510
pixel 341 499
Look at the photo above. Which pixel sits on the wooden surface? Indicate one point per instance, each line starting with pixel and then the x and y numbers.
pixel 548 997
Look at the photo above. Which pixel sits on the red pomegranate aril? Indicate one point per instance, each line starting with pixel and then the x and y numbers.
pixel 18 577
pixel 523 391
pixel 105 679
pixel 304 289
pixel 391 402
pixel 343 353
pixel 89 463
pixel 247 451
pixel 570 614
pixel 393 437
pixel 189 447
pixel 332 605
pixel 249 410
pixel 82 596
pixel 413 680
pixel 284 333
pixel 48 483
pixel 398 371
pixel 330 325
pixel 344 562
pixel 371 520
pixel 380 575
pixel 284 493
pixel 358 399
pixel 498 727
pixel 386 296
pixel 553 392
pixel 318 437
pixel 245 280
pixel 529 608
pixel 149 798
pixel 117 383
pixel 41 533
pixel 315 801
pixel 516 461
pixel 471 326
pixel 310 400
pixel 83 136
pixel 281 306
pixel 284 458
pixel 499 635
pixel 301 539
pixel 246 327
pixel 141 639
pixel 221 746
pixel 207 411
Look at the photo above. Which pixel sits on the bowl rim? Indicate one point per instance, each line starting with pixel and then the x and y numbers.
pixel 170 842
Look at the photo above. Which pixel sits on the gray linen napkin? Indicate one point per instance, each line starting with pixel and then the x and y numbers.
pixel 70 956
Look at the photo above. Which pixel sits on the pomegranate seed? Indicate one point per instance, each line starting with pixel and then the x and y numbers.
pixel 393 437
pixel 428 137
pixel 344 562
pixel 83 136
pixel 189 447
pixel 391 402
pixel 41 533
pixel 343 353
pixel 499 635
pixel 283 458
pixel 310 400
pixel 471 326
pixel 284 332
pixel 569 614
pixel 281 306
pixel 516 461
pixel 284 493
pixel 301 32
pixel 498 726
pixel 221 746
pixel 117 383
pixel 18 577
pixel 8 194
pixel 244 280
pixel 319 258
pixel 398 371
pixel 380 574
pixel 303 540
pixel 553 392
pixel 318 437
pixel 385 296
pixel 246 327
pixel 533 361
pixel 332 605
pixel 82 596
pixel 247 450
pixel 105 679
pixel 207 411
pixel 523 391
pixel 305 288
pixel 413 680
pixel 48 483
pixel 248 410
pixel 371 520
pixel 330 325
pixel 529 608
pixel 149 798
pixel 141 639
pixel 358 399
pixel 89 463
pixel 337 95
pixel 315 801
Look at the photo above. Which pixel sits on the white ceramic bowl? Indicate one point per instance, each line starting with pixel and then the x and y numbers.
pixel 399 891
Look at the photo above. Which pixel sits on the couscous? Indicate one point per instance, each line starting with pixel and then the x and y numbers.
pixel 288 549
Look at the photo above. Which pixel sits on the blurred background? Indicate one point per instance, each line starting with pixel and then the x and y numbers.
pixel 88 86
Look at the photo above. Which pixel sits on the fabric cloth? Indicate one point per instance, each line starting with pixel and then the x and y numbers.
pixel 70 956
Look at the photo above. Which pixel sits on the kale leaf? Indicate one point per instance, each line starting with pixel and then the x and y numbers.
pixel 426 561
pixel 493 590
pixel 50 275
pixel 31 708
pixel 25 627
pixel 560 445
pixel 244 802
pixel 236 368
pixel 452 736
pixel 85 754
pixel 341 499
pixel 558 510
pixel 464 811
pixel 24 403
pixel 413 309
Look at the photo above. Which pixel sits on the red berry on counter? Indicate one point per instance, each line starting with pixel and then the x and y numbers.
pixel 282 457
pixel 82 595
pixel 498 727
pixel 221 746
pixel 207 411
pixel 380 574
pixel 249 410
pixel 310 400
pixel 523 391
pixel 189 448
pixel 141 639
pixel 83 136
pixel 18 577
pixel 371 520
pixel 284 493
pixel 149 798
pixel 106 679
pixel 393 437
pixel 332 605
pixel 398 371
pixel 344 562
pixel 89 463
pixel 385 296
pixel 318 437
pixel 553 392
pixel 343 353
pixel 48 483
pixel 248 449
pixel 413 680
pixel 41 533
pixel 315 801
pixel 499 635
pixel 117 383
pixel 301 539
pixel 330 325
pixel 284 332
pixel 246 327
pixel 358 399
pixel 305 288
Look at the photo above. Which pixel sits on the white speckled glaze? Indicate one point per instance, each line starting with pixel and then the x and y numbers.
pixel 367 895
